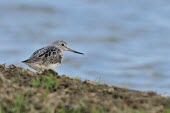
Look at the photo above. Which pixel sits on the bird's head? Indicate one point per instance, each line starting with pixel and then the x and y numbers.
pixel 63 46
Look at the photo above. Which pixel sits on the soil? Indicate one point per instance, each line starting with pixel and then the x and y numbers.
pixel 24 91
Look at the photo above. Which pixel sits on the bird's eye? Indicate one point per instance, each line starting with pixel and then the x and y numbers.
pixel 62 44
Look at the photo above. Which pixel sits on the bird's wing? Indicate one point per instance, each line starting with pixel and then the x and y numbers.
pixel 49 54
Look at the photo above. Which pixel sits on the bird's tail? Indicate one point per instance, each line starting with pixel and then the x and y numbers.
pixel 25 61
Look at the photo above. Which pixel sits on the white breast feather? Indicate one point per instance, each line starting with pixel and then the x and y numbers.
pixel 52 66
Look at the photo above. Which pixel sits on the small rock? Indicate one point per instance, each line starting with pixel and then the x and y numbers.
pixel 109 90
pixel 89 82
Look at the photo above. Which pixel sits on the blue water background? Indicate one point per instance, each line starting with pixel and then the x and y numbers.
pixel 126 42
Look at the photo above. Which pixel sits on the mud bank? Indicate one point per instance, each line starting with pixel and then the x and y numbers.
pixel 23 91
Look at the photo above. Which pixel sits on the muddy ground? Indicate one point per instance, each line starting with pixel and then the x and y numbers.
pixel 23 91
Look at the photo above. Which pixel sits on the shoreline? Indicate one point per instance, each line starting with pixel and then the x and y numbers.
pixel 22 90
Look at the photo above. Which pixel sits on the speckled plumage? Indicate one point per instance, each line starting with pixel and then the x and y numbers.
pixel 48 57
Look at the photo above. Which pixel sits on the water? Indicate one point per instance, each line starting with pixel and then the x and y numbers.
pixel 126 43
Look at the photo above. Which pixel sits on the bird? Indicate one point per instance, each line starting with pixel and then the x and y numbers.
pixel 48 57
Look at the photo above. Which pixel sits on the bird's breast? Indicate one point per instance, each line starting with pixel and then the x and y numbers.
pixel 52 66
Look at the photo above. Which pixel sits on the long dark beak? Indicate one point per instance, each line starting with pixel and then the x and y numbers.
pixel 74 51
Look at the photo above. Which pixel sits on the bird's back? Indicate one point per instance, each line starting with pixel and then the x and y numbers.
pixel 46 56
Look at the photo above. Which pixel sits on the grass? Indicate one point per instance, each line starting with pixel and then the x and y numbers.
pixel 51 110
pixel 49 82
pixel 17 78
pixel 1 110
pixel 139 111
pixel 18 105
pixel 99 110
pixel 81 110
pixel 166 110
